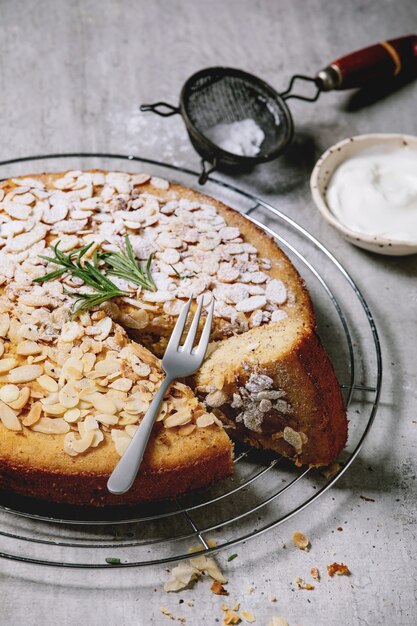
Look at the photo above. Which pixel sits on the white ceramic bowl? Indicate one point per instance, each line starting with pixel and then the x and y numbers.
pixel 323 171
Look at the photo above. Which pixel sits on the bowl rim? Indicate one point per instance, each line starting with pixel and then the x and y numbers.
pixel 323 207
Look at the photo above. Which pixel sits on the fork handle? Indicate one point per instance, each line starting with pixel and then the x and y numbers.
pixel 124 474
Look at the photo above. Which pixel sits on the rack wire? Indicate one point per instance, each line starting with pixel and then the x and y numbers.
pixel 266 490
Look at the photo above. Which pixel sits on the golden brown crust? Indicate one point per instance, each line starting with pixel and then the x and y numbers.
pixel 34 465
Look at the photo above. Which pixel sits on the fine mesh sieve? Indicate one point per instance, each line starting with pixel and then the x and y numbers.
pixel 225 95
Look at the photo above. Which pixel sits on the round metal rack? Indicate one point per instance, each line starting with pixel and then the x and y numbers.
pixel 266 490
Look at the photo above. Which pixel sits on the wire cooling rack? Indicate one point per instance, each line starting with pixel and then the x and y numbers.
pixel 266 490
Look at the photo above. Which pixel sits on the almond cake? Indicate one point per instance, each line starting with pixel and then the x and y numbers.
pixel 79 366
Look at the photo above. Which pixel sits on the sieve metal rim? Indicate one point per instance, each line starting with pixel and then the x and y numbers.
pixel 213 149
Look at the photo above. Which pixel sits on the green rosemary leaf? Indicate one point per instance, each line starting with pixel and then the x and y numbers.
pixel 125 265
pixel 50 276
pixel 232 557
pixel 112 560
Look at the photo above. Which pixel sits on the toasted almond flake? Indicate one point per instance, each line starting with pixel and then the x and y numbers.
pixel 71 331
pixel 27 348
pixel 9 393
pixel 50 426
pixel 21 401
pixel 68 396
pixel 72 415
pixel 102 403
pixel 183 575
pixel 300 540
pixel 276 291
pixel 88 361
pixel 54 409
pixel 9 418
pixel 159 183
pixel 186 430
pixel 34 414
pixel 209 566
pixel 48 383
pixel 7 364
pixel 251 304
pixel 103 328
pixel 278 621
pixel 218 589
pixel 248 617
pixel 25 373
pixel 106 418
pixel 177 419
pixel 230 617
pixel 216 398
pixel 207 419
pixel 122 384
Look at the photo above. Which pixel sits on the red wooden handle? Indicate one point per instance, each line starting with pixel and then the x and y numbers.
pixel 380 62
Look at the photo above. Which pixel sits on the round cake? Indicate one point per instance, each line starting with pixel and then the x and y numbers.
pixel 94 269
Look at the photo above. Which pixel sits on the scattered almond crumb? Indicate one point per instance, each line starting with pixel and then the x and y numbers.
pixel 230 617
pixel 300 541
pixel 190 603
pixel 181 620
pixel 367 499
pixel 218 589
pixel 273 599
pixel 331 470
pixel 236 606
pixel 167 613
pixel 278 621
pixel 250 589
pixel 315 573
pixel 338 568
pixel 248 617
pixel 301 584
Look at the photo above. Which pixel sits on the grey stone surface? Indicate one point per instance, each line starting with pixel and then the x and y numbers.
pixel 72 75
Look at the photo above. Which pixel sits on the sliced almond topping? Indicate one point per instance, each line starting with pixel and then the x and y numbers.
pixel 24 396
pixel 47 383
pixel 177 419
pixel 103 327
pixel 72 415
pixel 25 373
pixel 207 419
pixel 71 331
pixel 122 384
pixel 106 418
pixel 54 409
pixel 7 364
pixel 102 403
pixel 9 393
pixel 27 348
pixel 34 414
pixel 186 430
pixel 4 324
pixel 9 418
pixel 68 396
pixel 50 426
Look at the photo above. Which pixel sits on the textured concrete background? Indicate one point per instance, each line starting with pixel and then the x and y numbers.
pixel 72 75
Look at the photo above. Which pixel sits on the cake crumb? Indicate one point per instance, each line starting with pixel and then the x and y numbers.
pixel 315 573
pixel 230 617
pixel 167 613
pixel 331 470
pixel 340 569
pixel 301 584
pixel 248 617
pixel 300 541
pixel 218 589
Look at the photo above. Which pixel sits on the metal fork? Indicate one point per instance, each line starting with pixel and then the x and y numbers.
pixel 178 361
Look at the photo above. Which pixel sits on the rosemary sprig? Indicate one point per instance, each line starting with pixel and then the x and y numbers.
pixel 121 264
pixel 124 265
pixel 87 272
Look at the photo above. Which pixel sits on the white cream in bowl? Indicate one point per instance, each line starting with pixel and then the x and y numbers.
pixel 366 186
